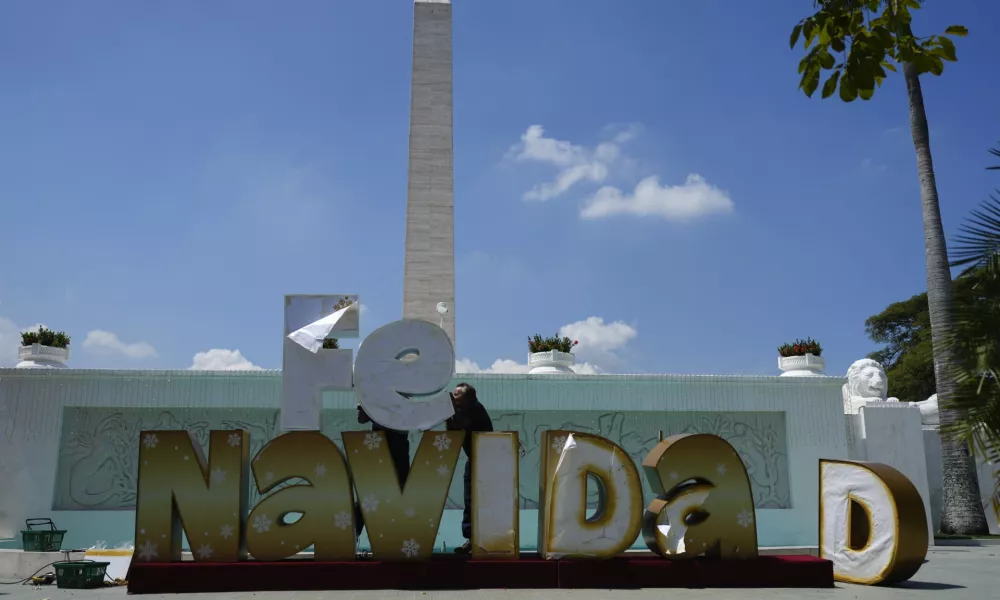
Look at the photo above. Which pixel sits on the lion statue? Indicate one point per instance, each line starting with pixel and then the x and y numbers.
pixel 866 382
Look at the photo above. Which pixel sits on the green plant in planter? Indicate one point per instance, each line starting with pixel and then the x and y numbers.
pixel 45 337
pixel 800 348
pixel 540 344
pixel 333 343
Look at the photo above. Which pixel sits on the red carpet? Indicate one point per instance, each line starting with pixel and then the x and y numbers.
pixel 459 573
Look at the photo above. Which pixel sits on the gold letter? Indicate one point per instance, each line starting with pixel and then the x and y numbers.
pixel 568 459
pixel 178 493
pixel 402 524
pixel 326 502
pixel 494 496
pixel 872 524
pixel 703 505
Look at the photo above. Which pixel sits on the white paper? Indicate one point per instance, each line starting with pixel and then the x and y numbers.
pixel 312 335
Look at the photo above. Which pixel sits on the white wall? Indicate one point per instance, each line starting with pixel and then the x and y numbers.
pixel 891 433
pixel 803 418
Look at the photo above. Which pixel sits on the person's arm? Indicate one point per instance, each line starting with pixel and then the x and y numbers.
pixel 482 420
pixel 363 416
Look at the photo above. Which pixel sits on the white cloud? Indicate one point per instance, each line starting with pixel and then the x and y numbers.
pixel 597 351
pixel 219 359
pixel 695 198
pixel 575 163
pixel 506 365
pixel 105 342
pixel 600 342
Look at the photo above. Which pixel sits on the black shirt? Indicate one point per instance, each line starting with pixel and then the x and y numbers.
pixel 473 418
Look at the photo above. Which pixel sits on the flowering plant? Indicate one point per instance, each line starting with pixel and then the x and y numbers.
pixel 333 343
pixel 45 337
pixel 540 344
pixel 801 348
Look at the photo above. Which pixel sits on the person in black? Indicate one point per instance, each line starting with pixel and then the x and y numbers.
pixel 470 416
pixel 399 450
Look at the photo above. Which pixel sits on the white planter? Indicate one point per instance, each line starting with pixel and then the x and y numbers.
pixel 801 366
pixel 37 356
pixel 550 363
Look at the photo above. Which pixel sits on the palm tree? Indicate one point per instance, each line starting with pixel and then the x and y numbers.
pixel 976 342
pixel 870 41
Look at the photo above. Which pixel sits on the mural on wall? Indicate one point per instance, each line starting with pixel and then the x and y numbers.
pixel 99 445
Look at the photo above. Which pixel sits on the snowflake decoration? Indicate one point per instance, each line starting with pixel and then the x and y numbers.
pixel 442 442
pixel 226 530
pixel 410 548
pixel 150 441
pixel 369 503
pixel 409 512
pixel 204 551
pixel 218 476
pixel 261 523
pixel 721 469
pixel 373 440
pixel 320 470
pixel 442 470
pixel 234 439
pixel 559 443
pixel 147 551
pixel 342 520
pixel 745 518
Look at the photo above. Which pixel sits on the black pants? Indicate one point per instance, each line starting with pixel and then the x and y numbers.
pixel 467 511
pixel 399 451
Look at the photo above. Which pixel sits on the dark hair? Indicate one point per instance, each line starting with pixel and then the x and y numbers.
pixel 464 390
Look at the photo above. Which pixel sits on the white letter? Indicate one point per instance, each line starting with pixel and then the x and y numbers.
pixel 402 374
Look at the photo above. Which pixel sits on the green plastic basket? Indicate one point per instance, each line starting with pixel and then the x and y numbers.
pixel 80 575
pixel 41 540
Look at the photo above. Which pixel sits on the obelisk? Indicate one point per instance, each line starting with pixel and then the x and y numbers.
pixel 429 276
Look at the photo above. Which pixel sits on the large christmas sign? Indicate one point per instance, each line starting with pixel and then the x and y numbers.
pixel 871 518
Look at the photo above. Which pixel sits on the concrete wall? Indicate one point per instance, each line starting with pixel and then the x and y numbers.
pixel 890 433
pixel 68 439
pixel 987 468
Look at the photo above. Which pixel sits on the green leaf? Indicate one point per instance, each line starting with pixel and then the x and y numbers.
pixel 810 81
pixel 804 63
pixel 795 36
pixel 889 65
pixel 958 30
pixel 826 59
pixel 838 45
pixel 848 91
pixel 824 36
pixel 866 94
pixel 831 84
pixel 884 37
pixel 809 29
pixel 947 50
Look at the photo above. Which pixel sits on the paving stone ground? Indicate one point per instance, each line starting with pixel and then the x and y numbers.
pixel 951 573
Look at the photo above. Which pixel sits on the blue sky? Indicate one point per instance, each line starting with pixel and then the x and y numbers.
pixel 169 170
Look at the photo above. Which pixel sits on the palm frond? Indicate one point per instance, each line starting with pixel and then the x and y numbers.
pixel 978 243
pixel 995 152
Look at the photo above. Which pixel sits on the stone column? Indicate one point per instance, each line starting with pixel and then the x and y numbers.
pixel 429 276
